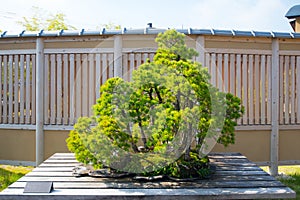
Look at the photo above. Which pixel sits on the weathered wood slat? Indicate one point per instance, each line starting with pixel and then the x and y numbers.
pixel 46 90
pixel 10 89
pixel 214 193
pixel 263 90
pixel 161 184
pixel 91 179
pixel 16 89
pixel 4 103
pixel 235 178
pixel 245 88
pixel 269 63
pixel 22 89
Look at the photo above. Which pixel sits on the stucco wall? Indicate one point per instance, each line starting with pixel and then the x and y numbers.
pixel 20 144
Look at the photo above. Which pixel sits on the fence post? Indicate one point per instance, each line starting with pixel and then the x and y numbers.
pixel 275 108
pixel 200 48
pixel 39 101
pixel 118 45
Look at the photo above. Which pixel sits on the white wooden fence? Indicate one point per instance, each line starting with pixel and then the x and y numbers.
pixel 267 81
pixel 72 82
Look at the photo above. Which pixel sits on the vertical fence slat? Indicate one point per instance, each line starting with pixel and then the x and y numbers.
pixel 131 58
pixel 281 91
pixel 16 89
pixel 213 69
pixel 78 88
pixel 1 93
pixel 33 117
pixel 263 89
pixel 85 82
pixel 251 87
pixel 98 75
pixel 226 79
pixel 28 86
pixel 232 74
pixel 10 89
pixel 4 119
pixel 125 70
pixel 46 89
pixel 138 58
pixel 53 89
pixel 111 65
pixel 59 90
pixel 104 74
pixel 269 64
pixel 298 87
pixel 257 90
pixel 286 90
pixel 245 88
pixel 238 81
pixel 91 81
pixel 292 90
pixel 219 77
pixel 72 89
pixel 65 89
pixel 22 88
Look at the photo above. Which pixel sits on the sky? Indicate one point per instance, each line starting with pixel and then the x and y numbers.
pixel 258 15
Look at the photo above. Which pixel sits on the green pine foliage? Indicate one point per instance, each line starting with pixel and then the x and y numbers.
pixel 160 121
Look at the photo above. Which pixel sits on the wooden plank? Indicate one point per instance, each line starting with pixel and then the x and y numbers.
pixel 257 105
pixel 298 88
pixel 232 73
pixel 292 91
pixel 53 83
pixel 10 89
pixel 226 80
pixel 104 74
pixel 16 90
pixel 33 101
pixel 46 89
pixel 263 89
pixel 125 70
pixel 162 184
pixel 269 116
pixel 66 89
pixel 281 90
pixel 196 193
pixel 72 89
pixel 91 81
pixel 59 72
pixel 22 89
pixel 213 70
pixel 78 89
pixel 245 88
pixel 219 77
pixel 28 92
pixel 131 59
pixel 110 58
pixel 84 86
pixel 286 90
pixel 238 86
pixel 98 75
pixel 251 88
pixel 1 85
pixel 138 59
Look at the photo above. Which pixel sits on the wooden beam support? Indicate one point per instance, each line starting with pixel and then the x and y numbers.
pixel 275 108
pixel 39 101
pixel 118 46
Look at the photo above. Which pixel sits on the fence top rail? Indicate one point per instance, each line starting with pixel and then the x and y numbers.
pixel 147 31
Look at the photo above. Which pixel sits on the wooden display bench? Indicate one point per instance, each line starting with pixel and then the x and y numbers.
pixel 235 178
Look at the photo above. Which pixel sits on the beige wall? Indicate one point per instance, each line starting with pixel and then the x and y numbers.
pixel 20 144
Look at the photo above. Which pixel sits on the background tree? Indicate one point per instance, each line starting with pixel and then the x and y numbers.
pixel 41 21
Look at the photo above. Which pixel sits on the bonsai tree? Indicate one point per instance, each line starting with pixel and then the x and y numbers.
pixel 164 121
